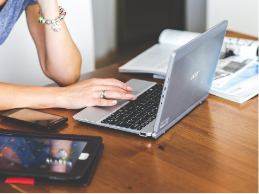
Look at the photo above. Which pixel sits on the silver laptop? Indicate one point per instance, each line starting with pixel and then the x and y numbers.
pixel 158 107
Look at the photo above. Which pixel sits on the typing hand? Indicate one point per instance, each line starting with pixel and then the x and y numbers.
pixel 88 93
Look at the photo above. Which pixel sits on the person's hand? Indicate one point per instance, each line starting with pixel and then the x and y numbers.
pixel 88 93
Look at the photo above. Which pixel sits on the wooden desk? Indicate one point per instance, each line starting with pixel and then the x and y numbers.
pixel 213 149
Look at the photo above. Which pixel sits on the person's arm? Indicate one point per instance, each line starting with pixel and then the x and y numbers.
pixel 59 57
pixel 76 96
pixel 60 61
pixel 18 96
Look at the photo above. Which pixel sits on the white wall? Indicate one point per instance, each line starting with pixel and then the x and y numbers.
pixel 195 15
pixel 242 15
pixel 19 62
pixel 104 16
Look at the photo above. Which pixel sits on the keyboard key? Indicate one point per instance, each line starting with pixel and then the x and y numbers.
pixel 139 113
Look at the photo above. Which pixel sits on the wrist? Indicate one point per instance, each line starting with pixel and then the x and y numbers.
pixel 57 97
pixel 49 8
pixel 37 97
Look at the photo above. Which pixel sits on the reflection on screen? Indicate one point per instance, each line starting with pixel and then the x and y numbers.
pixel 30 153
pixel 33 116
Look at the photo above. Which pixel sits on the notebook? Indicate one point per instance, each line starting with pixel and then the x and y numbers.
pixel 158 107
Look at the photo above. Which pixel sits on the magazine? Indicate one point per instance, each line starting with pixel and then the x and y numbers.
pixel 240 88
pixel 230 67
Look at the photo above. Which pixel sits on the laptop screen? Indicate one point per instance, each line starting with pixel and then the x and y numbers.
pixel 189 76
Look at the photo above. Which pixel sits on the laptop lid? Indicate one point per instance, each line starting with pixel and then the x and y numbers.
pixel 189 77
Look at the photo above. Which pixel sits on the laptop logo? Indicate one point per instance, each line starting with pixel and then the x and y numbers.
pixel 195 75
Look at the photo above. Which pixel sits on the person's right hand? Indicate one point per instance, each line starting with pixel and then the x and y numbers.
pixel 88 93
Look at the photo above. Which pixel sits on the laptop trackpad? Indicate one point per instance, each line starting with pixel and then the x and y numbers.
pixel 97 113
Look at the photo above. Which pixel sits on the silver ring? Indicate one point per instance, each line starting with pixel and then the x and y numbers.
pixel 103 94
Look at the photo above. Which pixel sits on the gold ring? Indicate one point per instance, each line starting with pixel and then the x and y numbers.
pixel 103 94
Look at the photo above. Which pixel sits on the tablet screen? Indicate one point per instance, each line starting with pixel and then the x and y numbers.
pixel 39 154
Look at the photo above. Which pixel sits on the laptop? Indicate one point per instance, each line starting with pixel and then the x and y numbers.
pixel 158 107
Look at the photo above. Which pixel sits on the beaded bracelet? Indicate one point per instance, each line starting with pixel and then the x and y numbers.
pixel 56 27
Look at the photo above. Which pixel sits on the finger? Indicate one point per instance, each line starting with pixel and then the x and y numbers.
pixel 117 95
pixel 102 88
pixel 113 82
pixel 103 102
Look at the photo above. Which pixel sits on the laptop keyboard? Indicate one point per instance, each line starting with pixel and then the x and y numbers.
pixel 138 113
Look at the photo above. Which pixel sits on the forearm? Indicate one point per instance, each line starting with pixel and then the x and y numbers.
pixel 17 96
pixel 76 96
pixel 59 57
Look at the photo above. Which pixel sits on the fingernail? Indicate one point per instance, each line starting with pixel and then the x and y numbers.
pixel 114 101
pixel 129 95
pixel 129 88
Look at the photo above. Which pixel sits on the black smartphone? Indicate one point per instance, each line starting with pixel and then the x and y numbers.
pixel 53 156
pixel 34 118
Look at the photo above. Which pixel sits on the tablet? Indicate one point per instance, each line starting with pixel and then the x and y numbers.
pixel 53 156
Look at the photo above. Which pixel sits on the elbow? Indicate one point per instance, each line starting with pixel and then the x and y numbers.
pixel 67 80
pixel 64 78
pixel 66 72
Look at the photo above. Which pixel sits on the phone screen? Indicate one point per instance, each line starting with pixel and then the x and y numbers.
pixel 34 116
pixel 39 154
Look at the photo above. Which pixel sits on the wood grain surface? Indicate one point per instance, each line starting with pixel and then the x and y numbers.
pixel 213 149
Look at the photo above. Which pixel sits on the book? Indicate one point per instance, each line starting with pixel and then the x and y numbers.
pixel 155 59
